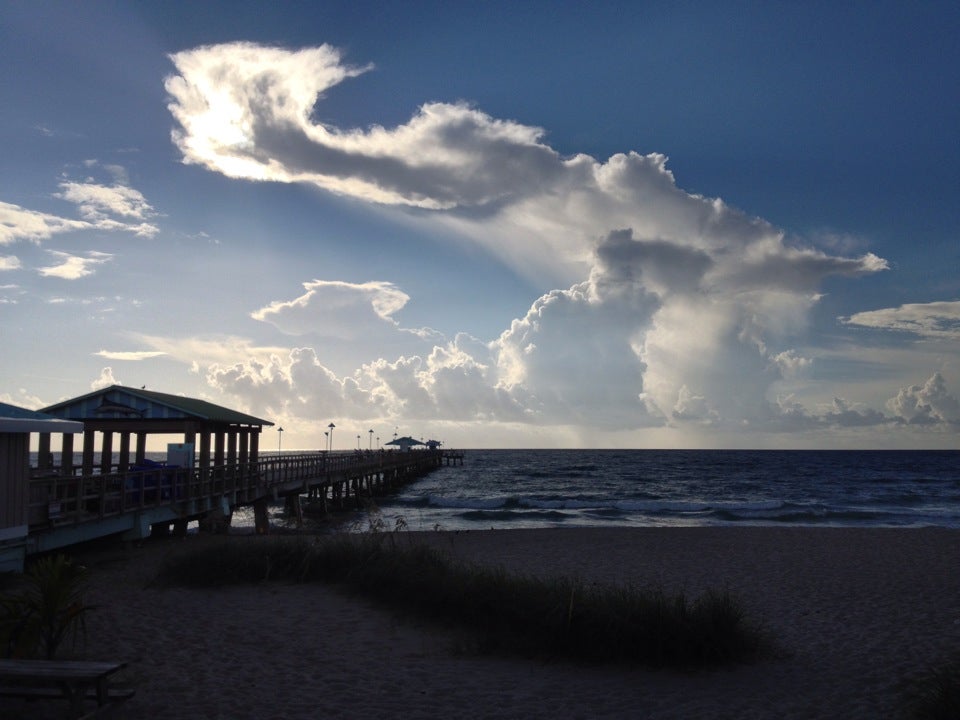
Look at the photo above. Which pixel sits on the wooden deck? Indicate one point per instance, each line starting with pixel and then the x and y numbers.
pixel 65 509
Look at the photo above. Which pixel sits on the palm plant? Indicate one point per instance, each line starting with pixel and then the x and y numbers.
pixel 48 611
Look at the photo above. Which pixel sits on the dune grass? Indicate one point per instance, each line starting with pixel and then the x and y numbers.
pixel 503 612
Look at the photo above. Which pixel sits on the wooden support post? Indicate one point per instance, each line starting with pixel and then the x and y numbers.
pixel 261 519
pixel 106 452
pixel 124 463
pixel 219 455
pixel 293 508
pixel 244 452
pixel 44 456
pixel 66 456
pixel 205 458
pixel 89 445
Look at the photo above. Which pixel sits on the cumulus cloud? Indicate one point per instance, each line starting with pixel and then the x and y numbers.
pixel 842 413
pixel 791 364
pixel 670 307
pixel 296 383
pixel 246 111
pixel 336 309
pixel 74 267
pixel 9 262
pixel 926 404
pixel 451 383
pixel 106 379
pixel 935 320
pixel 23 399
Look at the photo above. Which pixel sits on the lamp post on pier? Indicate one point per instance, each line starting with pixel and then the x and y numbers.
pixel 358 443
pixel 370 445
pixel 331 426
pixel 326 440
pixel 279 439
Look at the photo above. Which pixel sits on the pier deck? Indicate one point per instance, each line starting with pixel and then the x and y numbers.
pixel 66 509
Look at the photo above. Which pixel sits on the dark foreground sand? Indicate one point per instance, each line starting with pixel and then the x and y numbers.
pixel 857 610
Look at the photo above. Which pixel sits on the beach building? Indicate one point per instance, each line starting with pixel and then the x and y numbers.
pixel 16 426
pixel 205 443
pixel 211 434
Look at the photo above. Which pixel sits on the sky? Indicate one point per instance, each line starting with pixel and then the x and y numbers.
pixel 538 224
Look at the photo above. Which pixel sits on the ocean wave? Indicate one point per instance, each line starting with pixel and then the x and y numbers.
pixel 514 515
pixel 636 488
pixel 514 503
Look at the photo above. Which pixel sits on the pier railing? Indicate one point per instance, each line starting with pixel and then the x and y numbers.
pixel 58 499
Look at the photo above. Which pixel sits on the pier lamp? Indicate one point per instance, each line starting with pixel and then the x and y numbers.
pixel 326 440
pixel 358 442
pixel 331 426
pixel 279 439
pixel 370 444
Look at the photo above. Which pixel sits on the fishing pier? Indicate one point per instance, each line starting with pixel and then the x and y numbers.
pixel 120 491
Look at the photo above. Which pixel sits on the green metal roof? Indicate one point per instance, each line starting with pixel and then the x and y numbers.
pixel 20 420
pixel 120 402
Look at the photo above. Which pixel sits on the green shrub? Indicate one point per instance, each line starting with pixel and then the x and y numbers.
pixel 505 612
pixel 48 611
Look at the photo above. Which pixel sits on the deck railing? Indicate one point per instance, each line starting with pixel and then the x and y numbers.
pixel 57 499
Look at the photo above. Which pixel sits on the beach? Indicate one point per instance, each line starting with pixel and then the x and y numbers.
pixel 854 612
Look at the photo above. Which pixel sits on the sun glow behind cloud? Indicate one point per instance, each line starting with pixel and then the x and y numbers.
pixel 680 310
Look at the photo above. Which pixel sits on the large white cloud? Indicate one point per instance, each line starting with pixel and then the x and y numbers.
pixel 672 308
pixel 929 403
pixel 247 111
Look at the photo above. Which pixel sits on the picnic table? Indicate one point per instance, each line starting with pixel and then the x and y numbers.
pixel 72 680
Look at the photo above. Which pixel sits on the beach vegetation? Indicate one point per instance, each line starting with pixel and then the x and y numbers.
pixel 501 612
pixel 48 610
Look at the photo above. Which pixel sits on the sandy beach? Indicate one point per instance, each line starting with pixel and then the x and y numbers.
pixel 856 611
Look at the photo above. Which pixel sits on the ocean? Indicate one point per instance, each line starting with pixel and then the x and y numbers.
pixel 604 488
pixel 576 488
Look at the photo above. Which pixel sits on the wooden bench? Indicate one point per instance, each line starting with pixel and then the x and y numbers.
pixel 72 680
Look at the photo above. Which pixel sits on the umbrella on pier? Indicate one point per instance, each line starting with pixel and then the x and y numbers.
pixel 404 443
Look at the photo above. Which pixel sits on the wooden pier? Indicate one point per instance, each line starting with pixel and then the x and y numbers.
pixel 214 467
pixel 64 509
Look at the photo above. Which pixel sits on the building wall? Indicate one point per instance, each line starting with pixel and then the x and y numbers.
pixel 14 479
